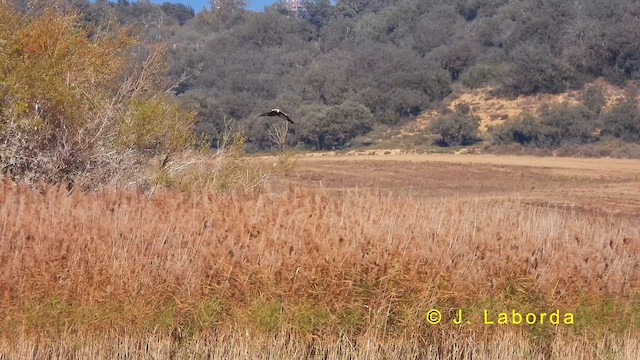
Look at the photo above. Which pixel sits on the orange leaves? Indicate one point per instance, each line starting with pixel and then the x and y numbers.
pixel 49 35
pixel 55 61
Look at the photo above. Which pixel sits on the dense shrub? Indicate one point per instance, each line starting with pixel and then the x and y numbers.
pixel 457 128
pixel 568 123
pixel 534 69
pixel 525 130
pixel 155 125
pixel 76 102
pixel 477 76
pixel 593 97
pixel 332 127
pixel 556 125
pixel 622 121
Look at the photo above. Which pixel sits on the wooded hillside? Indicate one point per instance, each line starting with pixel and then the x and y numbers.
pixel 341 69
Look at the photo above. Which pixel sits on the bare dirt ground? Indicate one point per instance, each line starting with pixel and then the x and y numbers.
pixel 604 184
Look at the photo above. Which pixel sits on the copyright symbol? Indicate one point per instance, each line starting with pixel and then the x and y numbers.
pixel 434 316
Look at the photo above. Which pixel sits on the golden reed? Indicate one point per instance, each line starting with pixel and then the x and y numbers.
pixel 311 264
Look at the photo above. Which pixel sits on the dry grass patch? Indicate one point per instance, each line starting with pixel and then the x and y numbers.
pixel 255 346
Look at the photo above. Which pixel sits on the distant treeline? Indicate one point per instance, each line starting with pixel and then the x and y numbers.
pixel 342 68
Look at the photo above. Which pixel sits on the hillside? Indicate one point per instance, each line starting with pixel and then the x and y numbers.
pixel 495 109
pixel 346 68
pixel 343 69
pixel 496 112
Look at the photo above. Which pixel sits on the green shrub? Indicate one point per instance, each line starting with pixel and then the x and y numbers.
pixel 557 124
pixel 477 76
pixel 525 130
pixel 622 121
pixel 567 123
pixel 155 125
pixel 593 98
pixel 330 127
pixel 534 69
pixel 458 128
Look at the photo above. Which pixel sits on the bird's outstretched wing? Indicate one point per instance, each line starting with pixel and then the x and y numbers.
pixel 278 112
pixel 284 115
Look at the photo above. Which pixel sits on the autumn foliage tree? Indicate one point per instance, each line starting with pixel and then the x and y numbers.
pixel 81 103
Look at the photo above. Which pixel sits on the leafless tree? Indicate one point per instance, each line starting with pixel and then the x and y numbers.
pixel 278 133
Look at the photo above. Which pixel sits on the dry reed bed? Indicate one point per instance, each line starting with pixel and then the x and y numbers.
pixel 244 346
pixel 301 260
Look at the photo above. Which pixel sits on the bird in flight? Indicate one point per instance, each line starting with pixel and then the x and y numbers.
pixel 278 112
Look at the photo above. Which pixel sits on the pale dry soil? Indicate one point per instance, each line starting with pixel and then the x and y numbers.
pixel 603 184
pixel 494 110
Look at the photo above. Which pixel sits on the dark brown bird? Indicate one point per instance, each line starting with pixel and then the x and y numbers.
pixel 278 112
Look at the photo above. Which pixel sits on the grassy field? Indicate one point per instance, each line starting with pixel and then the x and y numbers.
pixel 343 258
